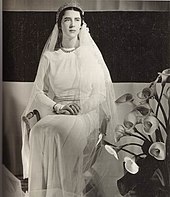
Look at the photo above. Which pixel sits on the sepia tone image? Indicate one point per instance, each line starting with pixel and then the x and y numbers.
pixel 86 98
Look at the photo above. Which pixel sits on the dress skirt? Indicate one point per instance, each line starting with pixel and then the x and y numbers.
pixel 57 152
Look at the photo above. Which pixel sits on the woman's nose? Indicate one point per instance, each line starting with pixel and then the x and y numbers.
pixel 72 24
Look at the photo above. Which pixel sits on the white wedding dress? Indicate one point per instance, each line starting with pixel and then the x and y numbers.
pixel 61 146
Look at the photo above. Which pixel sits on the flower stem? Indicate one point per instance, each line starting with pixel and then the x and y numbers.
pixel 135 129
pixel 164 114
pixel 140 154
pixel 168 112
pixel 160 122
pixel 125 150
pixel 160 105
pixel 133 135
pixel 135 144
pixel 108 143
pixel 122 148
pixel 159 99
pixel 150 138
pixel 159 134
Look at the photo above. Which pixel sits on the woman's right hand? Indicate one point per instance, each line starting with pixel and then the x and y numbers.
pixel 70 109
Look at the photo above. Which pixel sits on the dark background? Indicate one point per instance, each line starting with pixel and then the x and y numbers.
pixel 135 45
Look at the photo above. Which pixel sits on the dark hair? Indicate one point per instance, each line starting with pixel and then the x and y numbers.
pixel 60 35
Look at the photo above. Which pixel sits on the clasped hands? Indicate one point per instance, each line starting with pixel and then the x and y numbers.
pixel 68 109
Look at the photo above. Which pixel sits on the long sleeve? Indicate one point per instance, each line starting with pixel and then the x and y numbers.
pixel 42 84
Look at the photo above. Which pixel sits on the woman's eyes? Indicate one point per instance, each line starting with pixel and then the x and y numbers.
pixel 77 19
pixel 69 19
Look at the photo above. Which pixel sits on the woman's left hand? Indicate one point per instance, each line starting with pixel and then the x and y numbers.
pixel 70 109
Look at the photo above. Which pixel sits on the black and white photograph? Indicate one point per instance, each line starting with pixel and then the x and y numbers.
pixel 85 98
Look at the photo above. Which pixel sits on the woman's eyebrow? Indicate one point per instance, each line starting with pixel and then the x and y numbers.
pixel 68 17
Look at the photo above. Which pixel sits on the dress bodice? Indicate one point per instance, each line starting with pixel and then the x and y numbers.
pixel 68 74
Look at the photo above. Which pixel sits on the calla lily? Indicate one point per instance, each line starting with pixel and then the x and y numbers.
pixel 150 124
pixel 130 165
pixel 144 109
pixel 120 132
pixel 165 75
pixel 125 98
pixel 148 92
pixel 145 93
pixel 131 119
pixel 157 150
pixel 112 151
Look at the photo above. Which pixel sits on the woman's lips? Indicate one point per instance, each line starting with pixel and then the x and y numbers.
pixel 72 30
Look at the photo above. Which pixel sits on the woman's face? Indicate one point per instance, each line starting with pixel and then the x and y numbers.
pixel 71 24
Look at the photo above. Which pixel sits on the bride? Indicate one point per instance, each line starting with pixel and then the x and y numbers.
pixel 73 93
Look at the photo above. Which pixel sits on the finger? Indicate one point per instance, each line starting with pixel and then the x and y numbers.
pixel 77 106
pixel 69 109
pixel 74 109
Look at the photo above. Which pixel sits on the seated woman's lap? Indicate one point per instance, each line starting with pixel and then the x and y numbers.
pixel 67 128
pixel 64 136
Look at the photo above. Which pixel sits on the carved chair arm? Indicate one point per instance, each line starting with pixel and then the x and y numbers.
pixel 30 115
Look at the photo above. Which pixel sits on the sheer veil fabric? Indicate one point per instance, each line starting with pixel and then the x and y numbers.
pixel 57 154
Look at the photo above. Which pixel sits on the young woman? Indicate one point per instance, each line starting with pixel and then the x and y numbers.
pixel 73 93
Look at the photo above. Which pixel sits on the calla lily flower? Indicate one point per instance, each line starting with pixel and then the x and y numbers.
pixel 157 150
pixel 120 132
pixel 112 151
pixel 136 116
pixel 150 124
pixel 125 98
pixel 165 75
pixel 147 93
pixel 144 109
pixel 131 119
pixel 130 165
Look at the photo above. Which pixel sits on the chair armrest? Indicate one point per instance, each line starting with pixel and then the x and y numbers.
pixel 28 117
